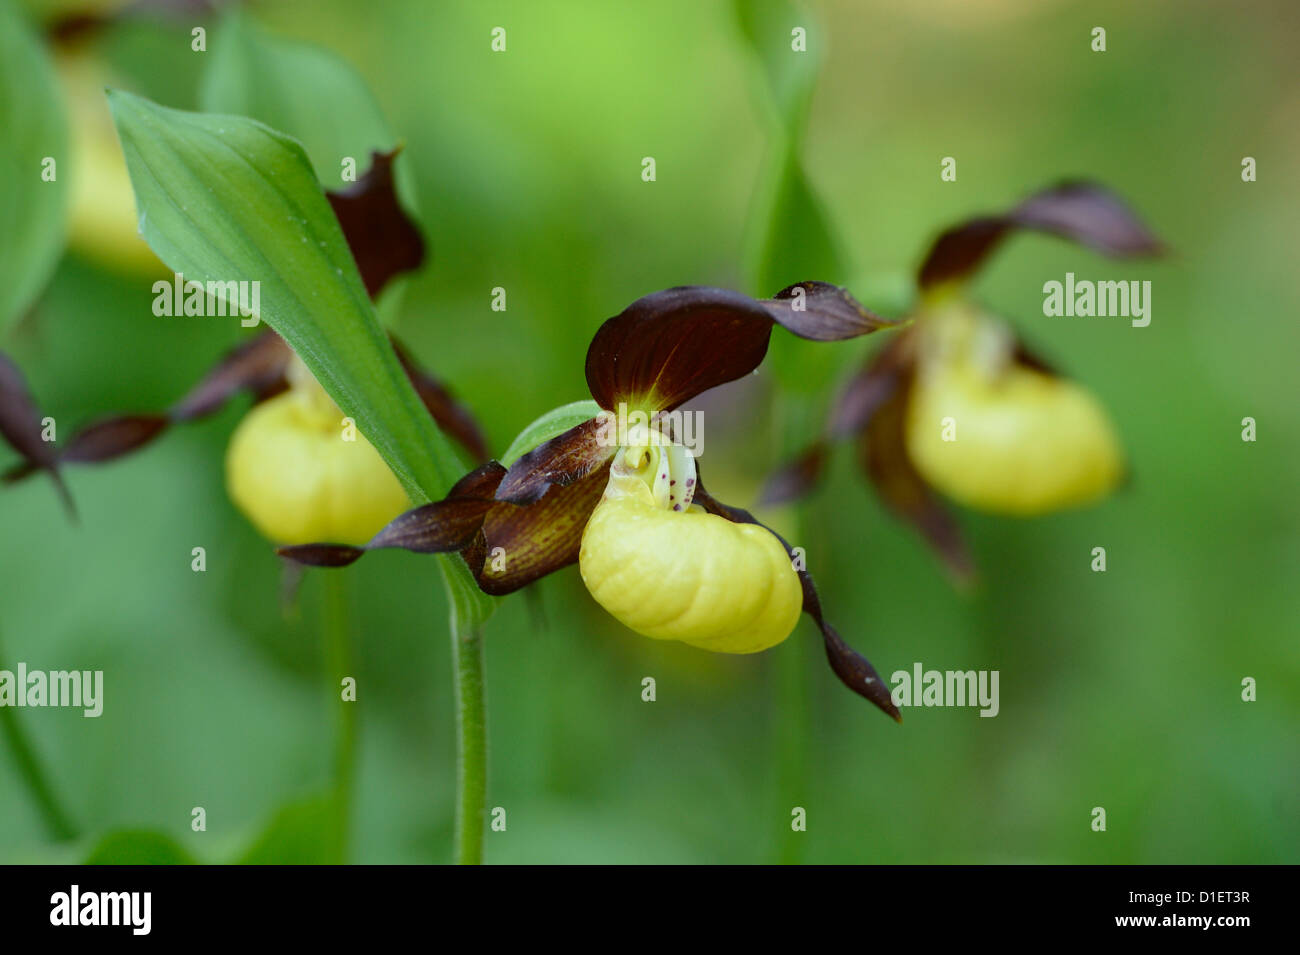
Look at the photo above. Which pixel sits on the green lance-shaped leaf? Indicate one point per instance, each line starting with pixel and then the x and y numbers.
pixel 791 234
pixel 308 92
pixel 32 209
pixel 138 847
pixel 318 98
pixel 225 198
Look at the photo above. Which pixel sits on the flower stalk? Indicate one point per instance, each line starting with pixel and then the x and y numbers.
pixel 338 649
pixel 56 818
pixel 471 744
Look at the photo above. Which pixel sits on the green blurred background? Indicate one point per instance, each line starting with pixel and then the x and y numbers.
pixel 1119 690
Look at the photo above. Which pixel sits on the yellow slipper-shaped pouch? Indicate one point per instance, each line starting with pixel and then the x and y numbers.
pixel 667 569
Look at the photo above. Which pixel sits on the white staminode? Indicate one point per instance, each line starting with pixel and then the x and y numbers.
pixel 666 469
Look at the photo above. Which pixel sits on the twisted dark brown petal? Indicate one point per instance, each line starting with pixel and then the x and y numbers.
pixel 1084 212
pixel 873 385
pixel 452 417
pixel 20 425
pixel 256 366
pixel 506 546
pixel 383 239
pixel 447 525
pixel 853 669
pixel 439 527
pixel 539 538
pixel 882 454
pixel 822 312
pixel 565 459
pixel 111 438
pixel 322 555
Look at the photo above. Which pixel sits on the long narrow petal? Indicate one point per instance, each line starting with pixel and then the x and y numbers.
pixel 1083 212
pixel 506 546
pixel 111 438
pixel 522 543
pixel 853 669
pixel 866 391
pixel 20 426
pixel 882 454
pixel 256 366
pixel 439 527
pixel 822 312
pixel 565 459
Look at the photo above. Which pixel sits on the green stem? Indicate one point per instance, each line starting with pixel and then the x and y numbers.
pixel 791 743
pixel 57 821
pixel 338 648
pixel 471 763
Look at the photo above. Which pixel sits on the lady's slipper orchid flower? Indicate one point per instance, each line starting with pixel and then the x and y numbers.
pixel 621 497
pixel 294 467
pixel 956 404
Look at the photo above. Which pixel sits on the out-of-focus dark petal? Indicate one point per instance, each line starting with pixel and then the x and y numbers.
pixel 535 539
pixel 20 421
pixel 960 251
pixel 822 312
pixel 1087 213
pixel 874 384
pixel 877 382
pixel 111 438
pixel 20 426
pixel 383 239
pixel 20 471
pixel 794 480
pixel 1091 215
pixel 453 418
pixel 670 346
pixel 563 460
pixel 853 669
pixel 321 555
pixel 882 453
pixel 256 366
